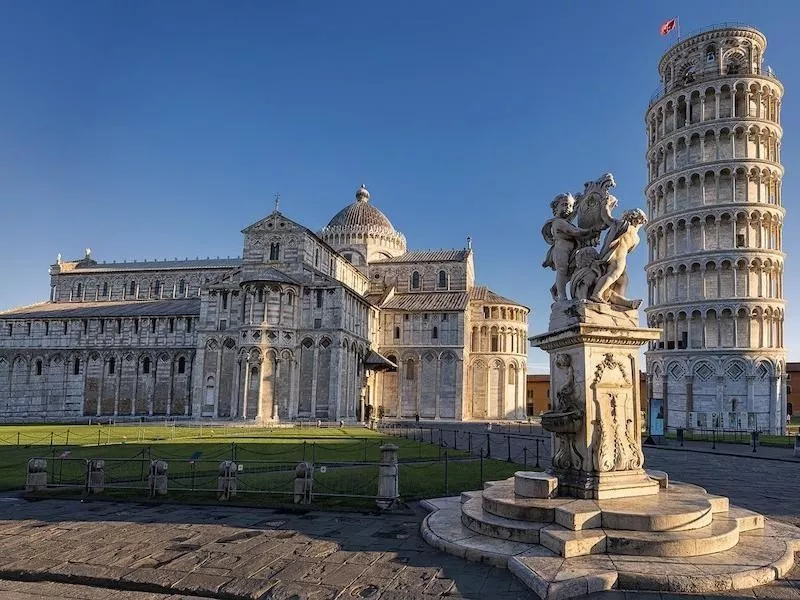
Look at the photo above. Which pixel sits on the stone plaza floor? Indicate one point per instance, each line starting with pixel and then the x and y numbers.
pixel 113 551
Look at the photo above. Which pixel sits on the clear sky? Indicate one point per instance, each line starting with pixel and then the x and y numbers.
pixel 160 129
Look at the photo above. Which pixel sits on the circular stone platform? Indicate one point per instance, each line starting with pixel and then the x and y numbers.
pixel 564 547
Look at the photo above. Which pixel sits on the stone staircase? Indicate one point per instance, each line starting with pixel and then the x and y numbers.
pixel 681 539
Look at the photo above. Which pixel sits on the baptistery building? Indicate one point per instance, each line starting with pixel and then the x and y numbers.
pixel 341 324
pixel 715 269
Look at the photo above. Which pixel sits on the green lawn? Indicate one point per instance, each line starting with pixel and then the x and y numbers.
pixel 268 458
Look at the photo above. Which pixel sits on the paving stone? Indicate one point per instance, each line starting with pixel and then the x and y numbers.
pixel 254 588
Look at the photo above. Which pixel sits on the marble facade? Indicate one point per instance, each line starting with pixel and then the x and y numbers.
pixel 304 325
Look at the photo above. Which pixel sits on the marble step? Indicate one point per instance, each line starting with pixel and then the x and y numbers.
pixel 721 535
pixel 761 555
pixel 474 518
pixel 500 500
pixel 747 520
pixel 672 509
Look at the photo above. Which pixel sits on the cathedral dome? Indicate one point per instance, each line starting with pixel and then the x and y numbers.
pixel 360 214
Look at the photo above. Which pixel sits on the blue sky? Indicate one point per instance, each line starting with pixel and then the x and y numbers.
pixel 160 129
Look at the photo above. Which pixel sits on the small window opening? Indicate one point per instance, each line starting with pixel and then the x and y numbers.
pixel 172 324
pixel 181 365
pixel 38 367
pixel 435 333
pixel 112 365
pixel 146 365
pixel 76 367
pixel 152 325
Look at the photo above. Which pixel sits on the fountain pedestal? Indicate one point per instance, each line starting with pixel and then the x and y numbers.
pixel 596 419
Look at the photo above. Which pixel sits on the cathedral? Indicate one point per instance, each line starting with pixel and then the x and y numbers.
pixel 341 324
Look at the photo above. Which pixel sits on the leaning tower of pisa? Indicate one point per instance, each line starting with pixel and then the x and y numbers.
pixel 715 263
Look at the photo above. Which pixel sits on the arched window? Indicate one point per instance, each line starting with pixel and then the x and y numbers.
pixel 38 367
pixel 435 333
pixel 76 366
pixel 316 257
pixel 145 365
pixel 157 288
pixel 105 288
pixel 112 365
pixel 443 279
pixel 80 290
pixel 397 333
pixel 181 365
pixel 415 280
pixel 132 289
pixel 289 299
pixel 224 300
pixel 260 294
pixel 274 251
pixel 182 287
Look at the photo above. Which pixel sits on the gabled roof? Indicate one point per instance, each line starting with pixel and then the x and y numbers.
pixel 418 256
pixel 484 294
pixel 268 274
pixel 158 265
pixel 427 301
pixel 131 308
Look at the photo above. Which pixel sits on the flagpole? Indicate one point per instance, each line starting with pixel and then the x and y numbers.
pixel 678 27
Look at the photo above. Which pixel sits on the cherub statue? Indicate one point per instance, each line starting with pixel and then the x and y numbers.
pixel 564 239
pixel 621 238
pixel 587 271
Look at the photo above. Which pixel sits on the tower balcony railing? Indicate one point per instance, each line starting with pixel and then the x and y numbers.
pixel 700 76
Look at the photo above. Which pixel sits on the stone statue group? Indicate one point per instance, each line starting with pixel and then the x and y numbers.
pixel 593 275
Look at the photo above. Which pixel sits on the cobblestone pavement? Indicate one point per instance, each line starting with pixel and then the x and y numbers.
pixel 232 553
pixel 221 552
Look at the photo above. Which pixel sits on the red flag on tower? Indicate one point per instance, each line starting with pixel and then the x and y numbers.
pixel 668 26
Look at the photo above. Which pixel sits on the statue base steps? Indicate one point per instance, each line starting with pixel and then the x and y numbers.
pixel 680 539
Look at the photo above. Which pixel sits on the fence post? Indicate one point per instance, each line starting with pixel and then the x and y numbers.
pixel 488 445
pixel 388 475
pixel 233 450
pixel 537 453
pixel 98 437
pixel 469 442
pixel 18 438
pixel 313 452
pixel 525 455
pixel 455 439
pixel 304 451
pixel 713 439
pixel 51 439
pixel 445 473
pixel 481 482
pixel 508 444
pixel 67 444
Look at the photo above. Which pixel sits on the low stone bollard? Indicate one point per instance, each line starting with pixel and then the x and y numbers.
pixel 303 483
pixel 157 480
pixel 388 478
pixel 95 475
pixel 226 482
pixel 37 475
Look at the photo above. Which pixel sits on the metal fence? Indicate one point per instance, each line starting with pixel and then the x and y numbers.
pixel 528 449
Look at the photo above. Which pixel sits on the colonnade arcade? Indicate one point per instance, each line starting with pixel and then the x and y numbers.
pixel 726 184
pixel 741 325
pixel 760 99
pixel 735 143
pixel 720 278
pixel 741 230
